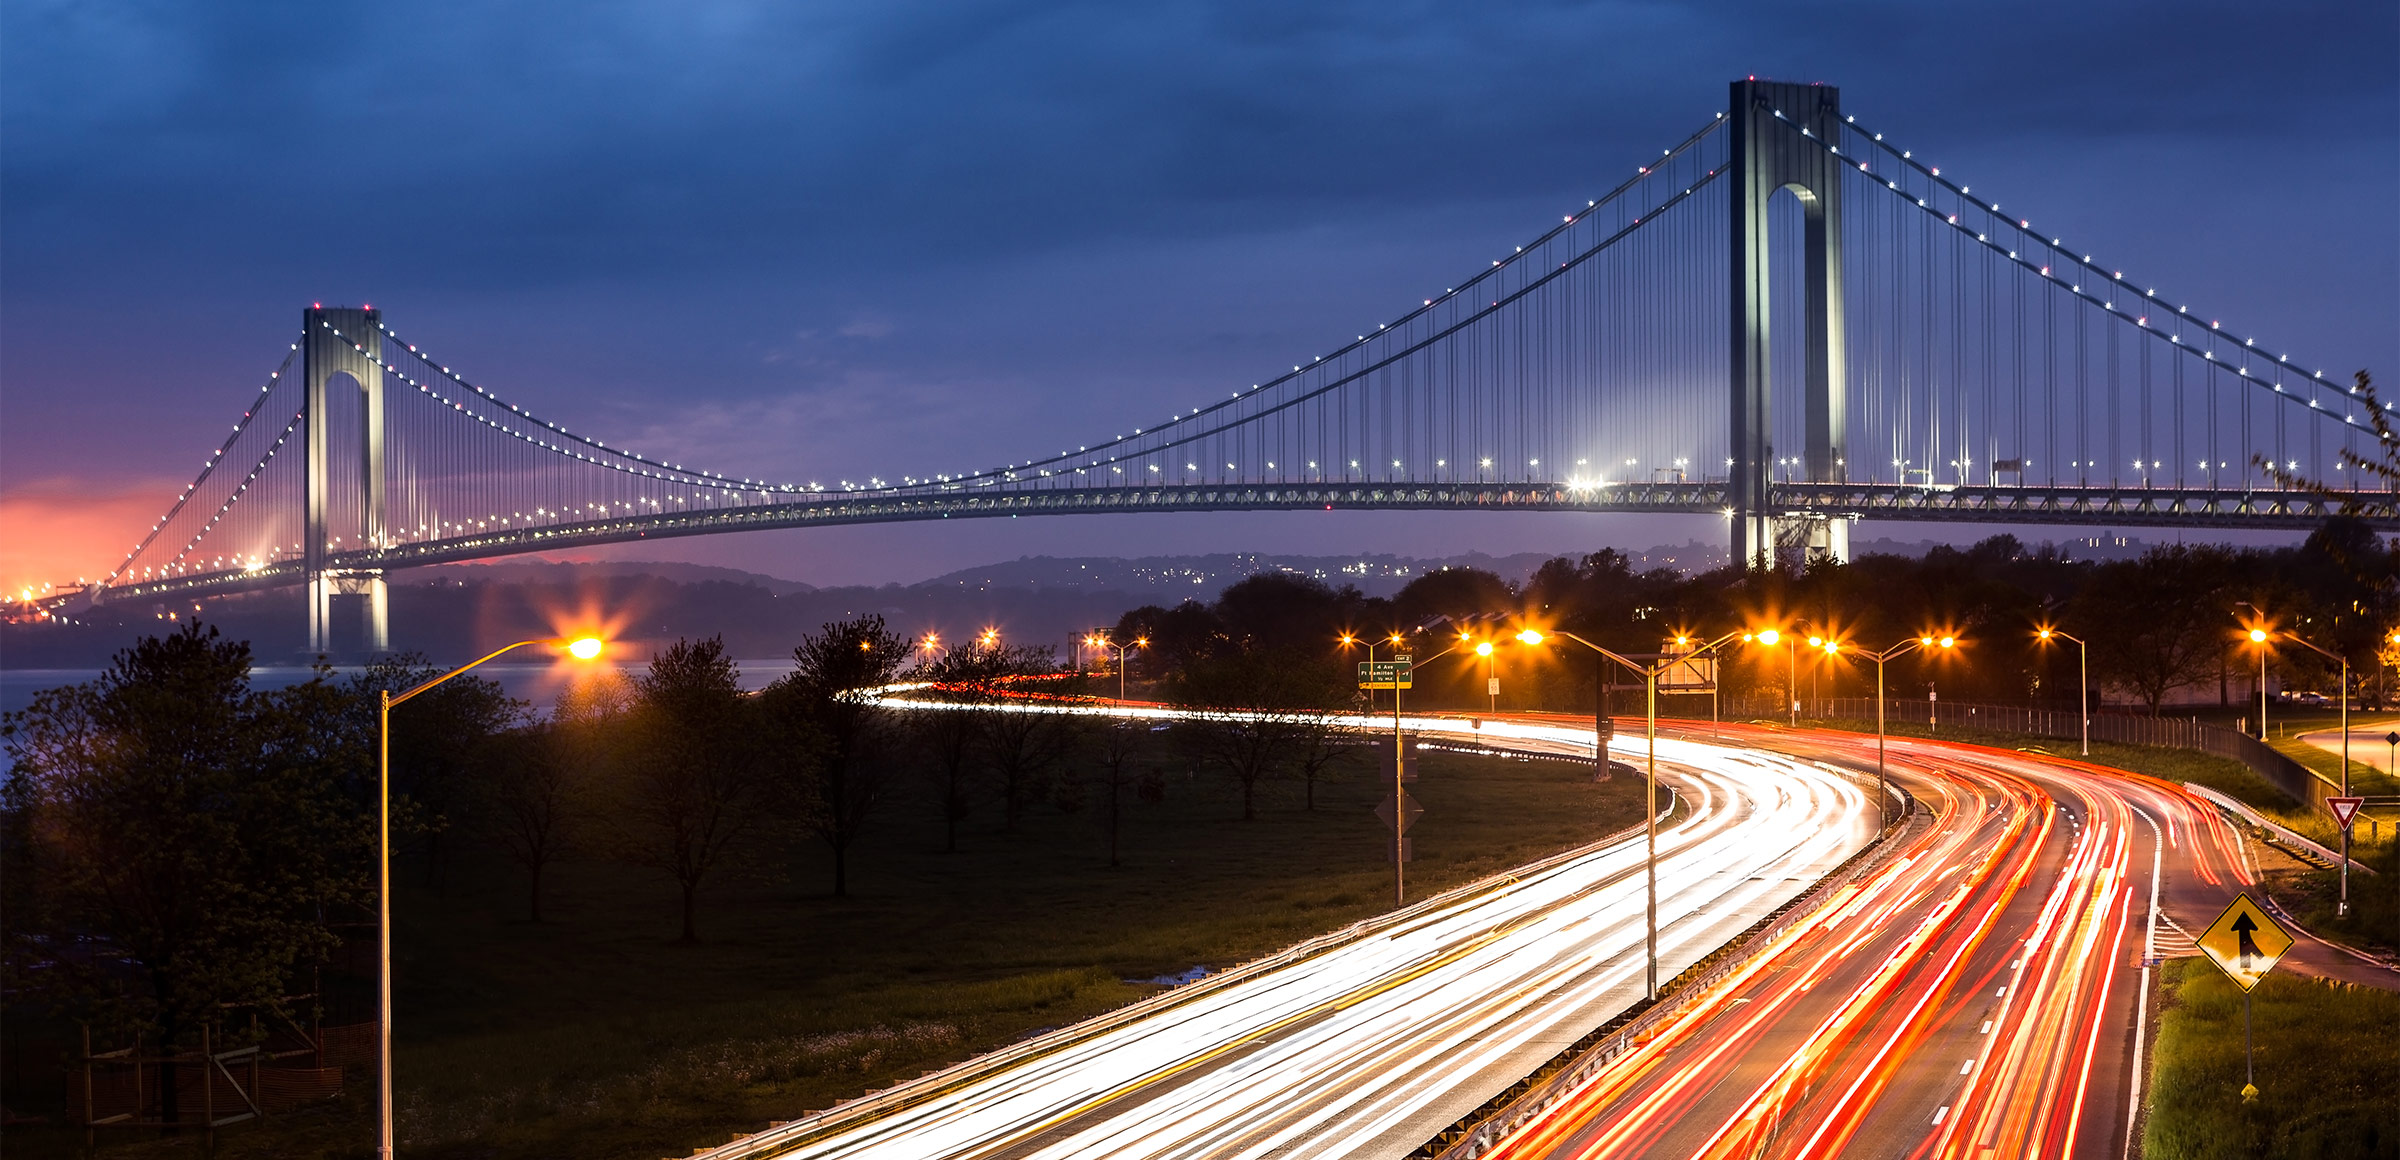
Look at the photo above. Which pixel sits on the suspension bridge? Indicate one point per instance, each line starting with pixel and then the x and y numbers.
pixel 1783 319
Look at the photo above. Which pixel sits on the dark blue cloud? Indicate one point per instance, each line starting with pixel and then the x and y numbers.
pixel 618 208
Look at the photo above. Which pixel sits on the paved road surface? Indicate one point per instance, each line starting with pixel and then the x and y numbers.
pixel 1981 995
pixel 1370 1048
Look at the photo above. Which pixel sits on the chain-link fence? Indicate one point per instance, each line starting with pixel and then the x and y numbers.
pixel 2292 779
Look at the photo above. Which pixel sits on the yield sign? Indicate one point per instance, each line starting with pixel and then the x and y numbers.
pixel 2344 809
pixel 2244 942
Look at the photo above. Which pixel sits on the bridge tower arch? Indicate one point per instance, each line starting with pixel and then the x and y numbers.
pixel 339 343
pixel 1782 135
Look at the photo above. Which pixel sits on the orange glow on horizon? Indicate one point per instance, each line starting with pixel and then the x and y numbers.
pixel 58 531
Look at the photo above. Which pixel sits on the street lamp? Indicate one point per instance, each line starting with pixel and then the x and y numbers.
pixel 2083 668
pixel 2258 639
pixel 933 644
pixel 1100 640
pixel 582 649
pixel 1684 640
pixel 2342 907
pixel 1348 640
pixel 1650 782
pixel 1491 684
pixel 1771 637
pixel 1882 781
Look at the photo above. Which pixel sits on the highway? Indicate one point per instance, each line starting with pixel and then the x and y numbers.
pixel 1981 994
pixel 1371 1047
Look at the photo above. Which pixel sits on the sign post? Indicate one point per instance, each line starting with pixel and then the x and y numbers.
pixel 2245 944
pixel 2344 810
pixel 1395 674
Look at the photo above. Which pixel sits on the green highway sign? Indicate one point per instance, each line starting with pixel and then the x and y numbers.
pixel 1392 674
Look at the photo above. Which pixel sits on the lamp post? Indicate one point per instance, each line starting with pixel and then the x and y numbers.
pixel 1771 637
pixel 1101 641
pixel 1491 684
pixel 1715 680
pixel 1348 640
pixel 2341 908
pixel 2083 668
pixel 1883 791
pixel 1649 674
pixel 1400 771
pixel 582 649
pixel 2258 640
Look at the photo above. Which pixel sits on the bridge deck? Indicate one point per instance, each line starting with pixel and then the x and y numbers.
pixel 2113 506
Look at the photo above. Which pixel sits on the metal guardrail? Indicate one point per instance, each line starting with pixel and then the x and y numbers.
pixel 784 1136
pixel 2289 777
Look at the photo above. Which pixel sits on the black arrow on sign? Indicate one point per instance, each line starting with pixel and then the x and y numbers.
pixel 2242 928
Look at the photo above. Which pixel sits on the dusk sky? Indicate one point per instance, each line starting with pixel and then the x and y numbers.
pixel 796 241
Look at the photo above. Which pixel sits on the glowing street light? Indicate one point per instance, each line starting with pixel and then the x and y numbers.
pixel 582 649
pixel 2342 907
pixel 1395 640
pixel 2258 637
pixel 1771 637
pixel 2083 696
pixel 1650 802
pixel 1100 640
pixel 1928 642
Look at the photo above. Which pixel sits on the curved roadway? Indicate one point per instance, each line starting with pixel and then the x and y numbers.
pixel 1982 994
pixel 1371 1047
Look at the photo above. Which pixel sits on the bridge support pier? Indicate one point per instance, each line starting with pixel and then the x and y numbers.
pixel 375 614
pixel 1780 138
pixel 1812 537
pixel 345 342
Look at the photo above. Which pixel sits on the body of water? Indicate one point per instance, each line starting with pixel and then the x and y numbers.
pixel 539 682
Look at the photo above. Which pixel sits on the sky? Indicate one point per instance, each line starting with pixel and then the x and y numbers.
pixel 813 240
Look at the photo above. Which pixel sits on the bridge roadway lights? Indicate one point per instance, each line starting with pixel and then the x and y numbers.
pixel 2032 504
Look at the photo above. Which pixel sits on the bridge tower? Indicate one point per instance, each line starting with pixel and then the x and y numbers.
pixel 343 341
pixel 1782 135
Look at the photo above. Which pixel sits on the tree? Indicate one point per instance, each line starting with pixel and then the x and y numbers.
pixel 1116 749
pixel 531 787
pixel 1281 610
pixel 1257 705
pixel 1178 636
pixel 181 842
pixel 950 739
pixel 831 692
pixel 1024 749
pixel 694 792
pixel 1457 593
pixel 440 745
pixel 2155 623
pixel 1321 748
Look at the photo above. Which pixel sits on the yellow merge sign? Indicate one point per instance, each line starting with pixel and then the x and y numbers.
pixel 2244 942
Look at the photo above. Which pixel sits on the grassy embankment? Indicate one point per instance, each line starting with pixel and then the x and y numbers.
pixel 2328 1065
pixel 594 1035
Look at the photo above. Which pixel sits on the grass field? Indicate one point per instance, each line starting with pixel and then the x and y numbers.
pixel 595 1036
pixel 2328 1065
